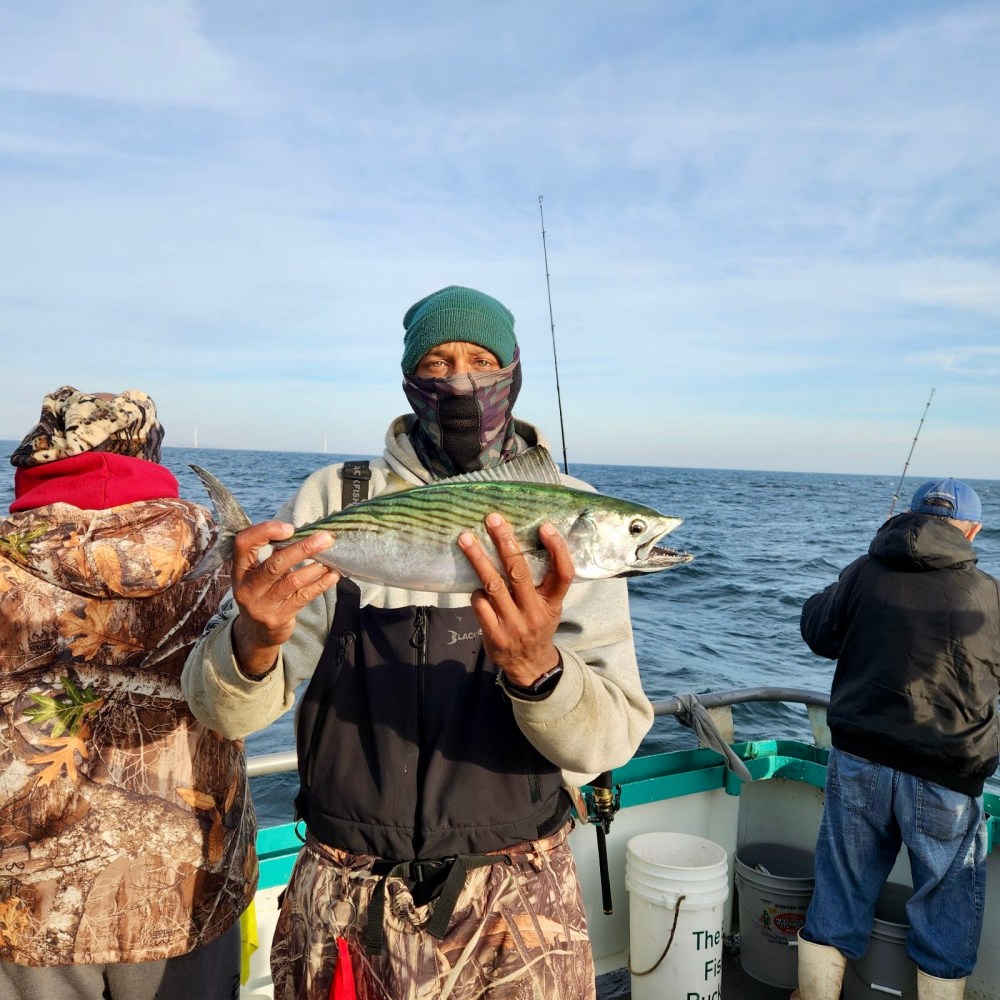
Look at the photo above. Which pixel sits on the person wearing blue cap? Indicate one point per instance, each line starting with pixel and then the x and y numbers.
pixel 914 627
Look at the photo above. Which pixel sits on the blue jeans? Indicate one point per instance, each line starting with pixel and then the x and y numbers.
pixel 872 809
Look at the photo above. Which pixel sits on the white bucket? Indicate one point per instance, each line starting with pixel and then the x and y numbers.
pixel 660 868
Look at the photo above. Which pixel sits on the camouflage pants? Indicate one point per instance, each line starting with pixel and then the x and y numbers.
pixel 518 932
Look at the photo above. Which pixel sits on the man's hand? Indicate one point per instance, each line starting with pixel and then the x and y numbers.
pixel 519 620
pixel 271 593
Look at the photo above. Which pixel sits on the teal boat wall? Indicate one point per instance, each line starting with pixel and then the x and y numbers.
pixel 652 779
pixel 277 849
pixel 691 791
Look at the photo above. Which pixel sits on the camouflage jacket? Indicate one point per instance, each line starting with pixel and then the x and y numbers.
pixel 126 828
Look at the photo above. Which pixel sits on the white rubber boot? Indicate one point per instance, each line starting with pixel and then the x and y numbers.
pixel 821 972
pixel 929 988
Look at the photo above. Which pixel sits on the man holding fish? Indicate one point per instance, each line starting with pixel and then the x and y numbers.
pixel 440 726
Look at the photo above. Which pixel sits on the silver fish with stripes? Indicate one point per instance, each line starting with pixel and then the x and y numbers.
pixel 409 538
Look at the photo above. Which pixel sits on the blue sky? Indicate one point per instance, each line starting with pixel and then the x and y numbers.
pixel 772 227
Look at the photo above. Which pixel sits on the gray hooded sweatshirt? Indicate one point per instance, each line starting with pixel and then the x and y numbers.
pixel 594 719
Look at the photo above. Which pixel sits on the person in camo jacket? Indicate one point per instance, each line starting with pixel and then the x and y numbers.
pixel 126 830
pixel 437 730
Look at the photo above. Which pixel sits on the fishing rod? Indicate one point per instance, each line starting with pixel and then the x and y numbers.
pixel 600 806
pixel 552 325
pixel 899 485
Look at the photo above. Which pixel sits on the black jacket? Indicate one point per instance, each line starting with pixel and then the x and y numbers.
pixel 407 745
pixel 915 629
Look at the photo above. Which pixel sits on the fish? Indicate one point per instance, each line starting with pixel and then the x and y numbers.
pixel 409 538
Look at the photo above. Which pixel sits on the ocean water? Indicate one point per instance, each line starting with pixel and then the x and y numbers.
pixel 762 542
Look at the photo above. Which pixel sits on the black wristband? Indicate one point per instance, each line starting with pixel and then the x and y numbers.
pixel 540 689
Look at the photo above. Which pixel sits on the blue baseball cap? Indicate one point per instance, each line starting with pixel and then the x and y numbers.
pixel 948 498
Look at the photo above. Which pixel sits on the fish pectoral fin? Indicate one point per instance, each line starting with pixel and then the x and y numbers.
pixel 583 526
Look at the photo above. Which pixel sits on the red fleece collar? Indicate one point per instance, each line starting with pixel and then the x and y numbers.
pixel 95 480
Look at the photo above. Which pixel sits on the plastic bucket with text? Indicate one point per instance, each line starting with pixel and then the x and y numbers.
pixel 678 885
pixel 775 885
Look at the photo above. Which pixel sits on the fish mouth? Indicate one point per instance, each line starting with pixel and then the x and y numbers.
pixel 651 558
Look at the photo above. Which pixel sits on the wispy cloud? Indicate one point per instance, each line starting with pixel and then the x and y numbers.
pixel 131 52
pixel 976 363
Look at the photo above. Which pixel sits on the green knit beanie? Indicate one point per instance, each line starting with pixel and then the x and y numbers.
pixel 456 313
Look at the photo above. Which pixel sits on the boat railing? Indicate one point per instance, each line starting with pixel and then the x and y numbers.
pixel 717 703
pixel 271 763
pixel 740 696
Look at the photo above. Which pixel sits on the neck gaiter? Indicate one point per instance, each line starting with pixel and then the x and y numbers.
pixel 464 422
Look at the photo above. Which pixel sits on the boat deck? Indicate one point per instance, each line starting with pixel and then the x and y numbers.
pixel 736 984
pixel 691 793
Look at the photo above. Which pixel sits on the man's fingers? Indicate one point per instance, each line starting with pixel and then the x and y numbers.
pixel 324 580
pixel 271 591
pixel 511 557
pixel 483 609
pixel 282 559
pixel 486 570
pixel 559 574
pixel 561 570
pixel 248 543
pixel 304 583
pixel 515 566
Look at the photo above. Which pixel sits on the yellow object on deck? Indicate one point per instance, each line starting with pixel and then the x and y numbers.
pixel 248 940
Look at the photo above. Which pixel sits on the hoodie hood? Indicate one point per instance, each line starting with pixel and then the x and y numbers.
pixel 919 542
pixel 135 550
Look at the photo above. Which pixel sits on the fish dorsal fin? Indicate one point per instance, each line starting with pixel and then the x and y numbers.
pixel 533 466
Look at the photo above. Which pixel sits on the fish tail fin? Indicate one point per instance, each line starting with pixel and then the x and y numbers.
pixel 231 519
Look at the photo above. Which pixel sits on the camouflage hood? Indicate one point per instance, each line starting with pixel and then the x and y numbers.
pixel 135 550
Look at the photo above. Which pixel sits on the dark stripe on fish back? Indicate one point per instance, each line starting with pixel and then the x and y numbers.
pixel 440 510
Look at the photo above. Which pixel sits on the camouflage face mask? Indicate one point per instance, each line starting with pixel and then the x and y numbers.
pixel 465 422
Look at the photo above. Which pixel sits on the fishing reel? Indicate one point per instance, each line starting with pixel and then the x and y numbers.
pixel 603 801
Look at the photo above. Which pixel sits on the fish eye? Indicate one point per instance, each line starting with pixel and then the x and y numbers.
pixel 637 527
